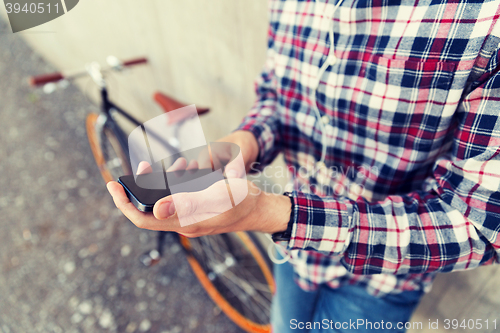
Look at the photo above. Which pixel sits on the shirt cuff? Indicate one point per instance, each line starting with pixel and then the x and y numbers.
pixel 321 224
pixel 264 125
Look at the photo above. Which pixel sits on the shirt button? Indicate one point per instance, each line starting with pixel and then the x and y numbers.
pixel 355 190
pixel 332 59
pixel 325 119
pixel 266 112
pixel 320 165
pixel 321 178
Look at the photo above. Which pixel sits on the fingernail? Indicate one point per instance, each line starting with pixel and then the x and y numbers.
pixel 232 174
pixel 167 209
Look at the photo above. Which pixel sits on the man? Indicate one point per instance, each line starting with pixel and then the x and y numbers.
pixel 391 108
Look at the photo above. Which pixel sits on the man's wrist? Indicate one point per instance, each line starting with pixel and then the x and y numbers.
pixel 286 235
pixel 248 144
pixel 277 208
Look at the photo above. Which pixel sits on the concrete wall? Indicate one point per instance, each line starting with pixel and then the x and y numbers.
pixel 208 53
pixel 202 52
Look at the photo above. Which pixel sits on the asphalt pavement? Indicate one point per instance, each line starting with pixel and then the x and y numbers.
pixel 68 258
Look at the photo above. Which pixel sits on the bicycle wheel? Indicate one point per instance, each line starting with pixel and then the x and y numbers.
pixel 109 156
pixel 236 276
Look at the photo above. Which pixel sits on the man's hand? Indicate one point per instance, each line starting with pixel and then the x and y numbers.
pixel 249 150
pixel 259 211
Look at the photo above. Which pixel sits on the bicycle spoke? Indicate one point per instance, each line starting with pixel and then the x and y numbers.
pixel 232 268
pixel 249 288
pixel 261 313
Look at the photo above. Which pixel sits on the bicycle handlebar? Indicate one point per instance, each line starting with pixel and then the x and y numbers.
pixel 136 61
pixel 45 78
pixel 58 76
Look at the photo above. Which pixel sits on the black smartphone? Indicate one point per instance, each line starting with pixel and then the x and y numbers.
pixel 142 194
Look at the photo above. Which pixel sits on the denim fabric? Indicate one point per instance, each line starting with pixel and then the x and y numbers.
pixel 346 309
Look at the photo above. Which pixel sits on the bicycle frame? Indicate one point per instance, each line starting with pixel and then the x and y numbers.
pixel 107 107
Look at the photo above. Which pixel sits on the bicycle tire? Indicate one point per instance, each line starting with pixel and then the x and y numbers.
pixel 104 143
pixel 247 321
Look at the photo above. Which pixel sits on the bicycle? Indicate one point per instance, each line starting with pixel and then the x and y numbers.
pixel 230 267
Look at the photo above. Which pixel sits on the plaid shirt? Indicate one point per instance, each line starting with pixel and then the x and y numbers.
pixel 411 181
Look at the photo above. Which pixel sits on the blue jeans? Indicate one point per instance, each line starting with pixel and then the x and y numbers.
pixel 346 309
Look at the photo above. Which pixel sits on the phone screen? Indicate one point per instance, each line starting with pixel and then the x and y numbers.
pixel 144 198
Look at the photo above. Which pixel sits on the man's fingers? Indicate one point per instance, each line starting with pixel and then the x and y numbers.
pixel 195 206
pixel 123 203
pixel 141 220
pixel 144 167
pixel 225 156
pixel 118 193
pixel 192 165
pixel 179 164
pixel 164 208
pixel 235 168
pixel 186 205
pixel 204 159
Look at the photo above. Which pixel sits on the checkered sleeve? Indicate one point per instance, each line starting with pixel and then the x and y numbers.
pixel 263 120
pixel 452 225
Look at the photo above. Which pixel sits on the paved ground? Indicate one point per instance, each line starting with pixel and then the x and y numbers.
pixel 68 258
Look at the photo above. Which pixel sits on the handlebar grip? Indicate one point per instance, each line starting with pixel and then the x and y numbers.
pixel 133 62
pixel 45 78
